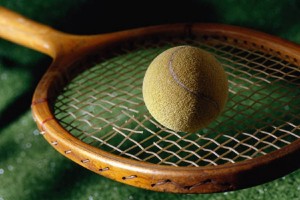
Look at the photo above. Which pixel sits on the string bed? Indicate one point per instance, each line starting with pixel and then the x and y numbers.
pixel 103 106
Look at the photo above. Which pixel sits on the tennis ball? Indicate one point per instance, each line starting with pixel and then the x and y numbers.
pixel 185 88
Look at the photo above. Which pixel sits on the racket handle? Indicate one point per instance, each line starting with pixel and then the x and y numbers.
pixel 18 29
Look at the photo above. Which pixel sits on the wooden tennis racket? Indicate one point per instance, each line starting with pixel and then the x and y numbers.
pixel 89 106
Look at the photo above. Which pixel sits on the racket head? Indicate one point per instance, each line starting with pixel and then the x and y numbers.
pixel 229 170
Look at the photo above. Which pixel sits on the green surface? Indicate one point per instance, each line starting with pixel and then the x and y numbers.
pixel 31 169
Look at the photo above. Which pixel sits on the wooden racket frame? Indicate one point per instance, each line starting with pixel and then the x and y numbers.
pixel 65 49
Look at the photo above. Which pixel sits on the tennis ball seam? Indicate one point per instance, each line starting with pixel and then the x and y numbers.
pixel 182 85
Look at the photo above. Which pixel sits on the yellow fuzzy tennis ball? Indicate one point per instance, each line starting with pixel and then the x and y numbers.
pixel 185 88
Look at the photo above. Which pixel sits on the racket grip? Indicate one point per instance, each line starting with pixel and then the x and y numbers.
pixel 18 29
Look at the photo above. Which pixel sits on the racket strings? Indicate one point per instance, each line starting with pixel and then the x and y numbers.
pixel 103 106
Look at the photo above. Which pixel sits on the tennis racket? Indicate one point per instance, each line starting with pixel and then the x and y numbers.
pixel 89 106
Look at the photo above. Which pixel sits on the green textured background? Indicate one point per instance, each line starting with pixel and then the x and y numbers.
pixel 31 169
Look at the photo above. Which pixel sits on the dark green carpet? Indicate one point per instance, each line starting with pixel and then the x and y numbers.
pixel 31 169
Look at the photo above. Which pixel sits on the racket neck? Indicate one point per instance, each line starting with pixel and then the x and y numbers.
pixel 23 31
